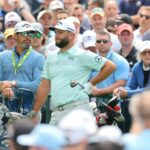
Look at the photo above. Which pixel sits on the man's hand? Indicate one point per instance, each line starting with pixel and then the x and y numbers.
pixel 95 91
pixel 120 92
pixel 8 93
pixel 7 84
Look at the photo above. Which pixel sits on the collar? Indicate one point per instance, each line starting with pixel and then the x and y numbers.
pixel 146 68
pixel 69 51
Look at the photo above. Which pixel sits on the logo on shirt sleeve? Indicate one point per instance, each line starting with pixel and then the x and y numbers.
pixel 98 59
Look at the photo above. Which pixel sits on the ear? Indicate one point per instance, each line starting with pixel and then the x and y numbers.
pixel 72 35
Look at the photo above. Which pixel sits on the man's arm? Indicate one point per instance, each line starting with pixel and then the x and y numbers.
pixel 107 69
pixel 42 94
pixel 109 89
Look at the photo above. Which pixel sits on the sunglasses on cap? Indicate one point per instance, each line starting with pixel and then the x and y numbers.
pixel 29 34
pixel 102 41
pixel 144 16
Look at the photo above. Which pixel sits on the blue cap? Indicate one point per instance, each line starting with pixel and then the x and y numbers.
pixel 45 136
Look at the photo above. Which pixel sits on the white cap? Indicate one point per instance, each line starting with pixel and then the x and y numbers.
pixel 38 27
pixel 64 24
pixel 73 19
pixel 23 26
pixel 144 45
pixel 12 16
pixel 56 4
pixel 78 125
pixel 89 38
pixel 43 135
pixel 41 13
pixel 107 133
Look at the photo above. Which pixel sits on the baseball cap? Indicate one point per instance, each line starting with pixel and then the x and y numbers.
pixel 8 32
pixel 107 133
pixel 44 135
pixel 78 125
pixel 64 24
pixel 124 27
pixel 89 38
pixel 38 27
pixel 12 16
pixel 23 26
pixel 98 11
pixel 144 45
pixel 56 4
pixel 41 13
pixel 73 19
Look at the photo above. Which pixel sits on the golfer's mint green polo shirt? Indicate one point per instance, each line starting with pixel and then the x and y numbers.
pixel 63 67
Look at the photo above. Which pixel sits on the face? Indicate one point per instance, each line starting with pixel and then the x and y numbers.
pixel 111 10
pixel 69 3
pixel 126 38
pixel 78 13
pixel 103 43
pixel 10 24
pixel 61 16
pixel 46 20
pixel 98 22
pixel 24 39
pixel 10 42
pixel 144 19
pixel 62 38
pixel 145 57
pixel 37 40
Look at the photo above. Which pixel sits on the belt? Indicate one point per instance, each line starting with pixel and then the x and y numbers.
pixel 70 105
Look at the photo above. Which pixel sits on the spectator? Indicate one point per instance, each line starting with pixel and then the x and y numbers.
pixel 89 41
pixel 38 43
pixel 98 22
pixel 45 17
pixel 143 111
pixel 103 91
pixel 78 12
pixel 144 22
pixel 19 127
pixel 128 50
pixel 111 9
pixel 44 137
pixel 10 40
pixel 63 97
pixel 24 68
pixel 78 126
pixel 11 19
pixel 140 75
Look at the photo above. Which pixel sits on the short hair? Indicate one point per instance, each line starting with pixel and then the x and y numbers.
pixel 76 7
pixel 104 33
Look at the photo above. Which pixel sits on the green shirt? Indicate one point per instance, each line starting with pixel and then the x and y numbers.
pixel 63 67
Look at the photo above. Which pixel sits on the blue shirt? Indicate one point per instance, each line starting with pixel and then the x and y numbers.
pixel 28 75
pixel 63 67
pixel 136 84
pixel 121 72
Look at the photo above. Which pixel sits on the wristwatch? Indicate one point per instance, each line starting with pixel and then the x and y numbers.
pixel 13 83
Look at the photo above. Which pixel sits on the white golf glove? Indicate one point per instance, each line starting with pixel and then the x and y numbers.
pixel 88 88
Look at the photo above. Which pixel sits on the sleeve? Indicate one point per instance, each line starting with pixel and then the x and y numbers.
pixel 37 71
pixel 122 71
pixel 93 61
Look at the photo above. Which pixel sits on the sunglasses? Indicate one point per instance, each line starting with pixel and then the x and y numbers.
pixel 29 34
pixel 37 35
pixel 145 53
pixel 102 41
pixel 145 16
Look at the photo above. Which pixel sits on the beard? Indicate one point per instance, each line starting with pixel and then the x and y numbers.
pixel 62 43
